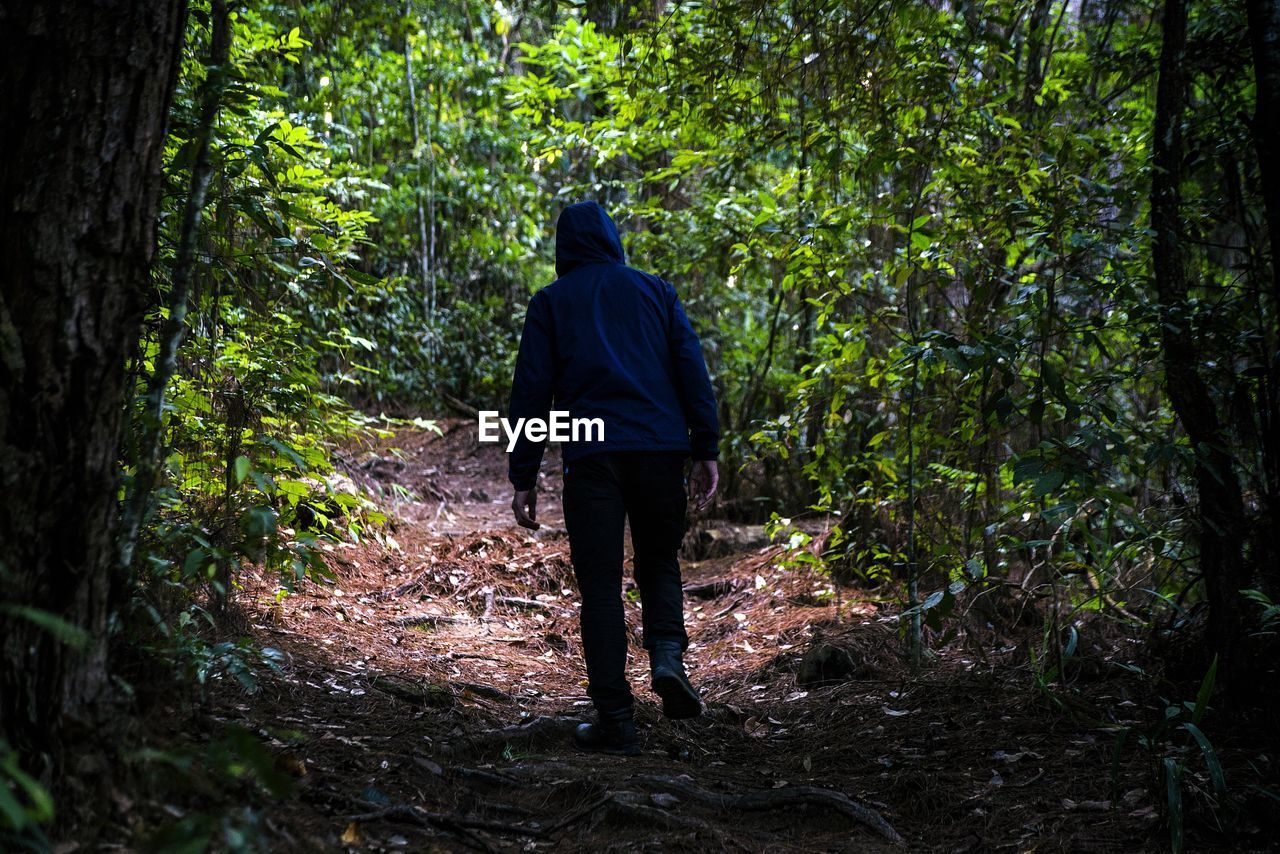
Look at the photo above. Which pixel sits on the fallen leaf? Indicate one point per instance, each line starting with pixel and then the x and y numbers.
pixel 291 765
pixel 351 836
pixel 1086 806
pixel 1147 813
pixel 1133 797
pixel 427 764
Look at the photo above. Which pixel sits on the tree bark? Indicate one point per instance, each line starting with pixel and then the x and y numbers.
pixel 1264 37
pixel 83 100
pixel 1220 506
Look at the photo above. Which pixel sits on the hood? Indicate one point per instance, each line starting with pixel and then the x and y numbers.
pixel 586 235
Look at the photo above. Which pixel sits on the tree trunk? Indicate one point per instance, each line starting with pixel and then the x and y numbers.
pixel 1264 36
pixel 1220 505
pixel 83 102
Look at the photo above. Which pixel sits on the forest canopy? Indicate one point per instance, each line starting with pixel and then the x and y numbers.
pixel 986 291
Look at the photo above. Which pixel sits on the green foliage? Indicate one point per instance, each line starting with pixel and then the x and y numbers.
pixel 1269 619
pixel 72 636
pixel 24 804
pixel 914 241
pixel 255 411
pixel 233 762
pixel 1173 740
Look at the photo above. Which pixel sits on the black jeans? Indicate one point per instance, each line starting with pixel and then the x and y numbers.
pixel 600 492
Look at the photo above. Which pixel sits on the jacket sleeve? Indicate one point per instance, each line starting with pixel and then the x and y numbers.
pixel 693 383
pixel 531 390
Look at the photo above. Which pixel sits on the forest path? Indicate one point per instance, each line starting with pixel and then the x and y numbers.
pixel 428 695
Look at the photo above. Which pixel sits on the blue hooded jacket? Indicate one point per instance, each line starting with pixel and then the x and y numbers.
pixel 607 341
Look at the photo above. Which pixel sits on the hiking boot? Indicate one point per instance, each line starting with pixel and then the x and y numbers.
pixel 614 732
pixel 666 662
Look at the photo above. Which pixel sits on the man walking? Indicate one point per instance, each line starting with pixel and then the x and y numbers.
pixel 608 341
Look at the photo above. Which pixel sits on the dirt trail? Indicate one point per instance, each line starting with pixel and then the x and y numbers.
pixel 427 695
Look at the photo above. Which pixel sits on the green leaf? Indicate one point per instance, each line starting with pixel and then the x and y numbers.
pixel 1210 759
pixel 194 563
pixel 243 466
pixel 65 632
pixel 1206 688
pixel 1053 380
pixel 13 781
pixel 258 522
pixel 15 817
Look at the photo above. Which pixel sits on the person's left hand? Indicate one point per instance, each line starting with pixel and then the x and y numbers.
pixel 704 476
pixel 525 506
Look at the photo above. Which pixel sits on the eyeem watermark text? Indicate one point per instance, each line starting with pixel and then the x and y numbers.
pixel 558 428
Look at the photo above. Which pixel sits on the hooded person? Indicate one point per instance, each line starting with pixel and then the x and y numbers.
pixel 607 341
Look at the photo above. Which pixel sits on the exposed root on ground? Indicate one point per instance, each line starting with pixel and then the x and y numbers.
pixel 773 799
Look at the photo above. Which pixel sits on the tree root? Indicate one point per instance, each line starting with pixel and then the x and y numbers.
pixel 457 824
pixel 634 806
pixel 482 690
pixel 542 727
pixel 771 799
pixel 631 805
pixel 619 804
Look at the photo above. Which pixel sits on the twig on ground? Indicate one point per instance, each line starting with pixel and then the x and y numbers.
pixel 710 589
pixel 1022 785
pixel 419 581
pixel 475 774
pixel 579 814
pixel 430 619
pixel 731 606
pixel 529 603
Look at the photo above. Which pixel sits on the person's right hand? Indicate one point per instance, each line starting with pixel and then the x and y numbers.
pixel 704 477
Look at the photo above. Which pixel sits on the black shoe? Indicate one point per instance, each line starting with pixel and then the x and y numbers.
pixel 614 733
pixel 679 700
